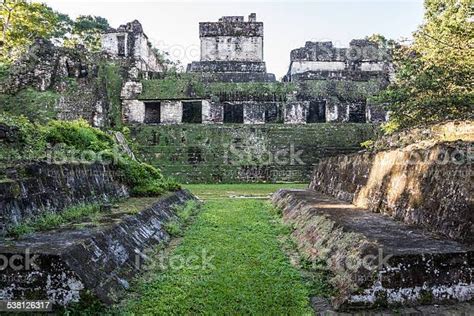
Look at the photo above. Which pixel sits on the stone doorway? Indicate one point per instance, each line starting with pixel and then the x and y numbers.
pixel 152 112
pixel 316 112
pixel 233 113
pixel 192 112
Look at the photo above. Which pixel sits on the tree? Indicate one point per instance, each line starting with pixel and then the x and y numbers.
pixel 22 22
pixel 435 75
pixel 86 31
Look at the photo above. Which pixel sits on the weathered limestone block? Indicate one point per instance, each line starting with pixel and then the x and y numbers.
pixel 427 186
pixel 373 259
pixel 133 111
pixel 171 112
pixel 254 113
pixel 295 112
pixel 232 51
pixel 442 132
pixel 212 112
pixel 131 90
pixel 375 113
pixel 129 41
pixel 101 260
pixel 332 112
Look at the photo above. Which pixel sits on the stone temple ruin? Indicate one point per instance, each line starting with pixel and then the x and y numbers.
pixel 331 80
pixel 230 83
pixel 197 126
pixel 232 51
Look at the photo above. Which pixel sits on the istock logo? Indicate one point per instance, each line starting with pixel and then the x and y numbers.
pixel 18 262
pixel 253 155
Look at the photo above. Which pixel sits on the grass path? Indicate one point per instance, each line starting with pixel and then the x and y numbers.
pixel 243 271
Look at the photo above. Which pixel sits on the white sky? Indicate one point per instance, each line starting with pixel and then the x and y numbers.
pixel 173 26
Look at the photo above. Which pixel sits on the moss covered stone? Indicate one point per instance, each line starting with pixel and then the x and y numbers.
pixel 243 153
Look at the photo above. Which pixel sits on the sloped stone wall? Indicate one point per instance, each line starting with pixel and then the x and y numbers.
pixel 74 263
pixel 427 186
pixel 41 187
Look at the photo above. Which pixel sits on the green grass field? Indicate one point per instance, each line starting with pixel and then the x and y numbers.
pixel 238 266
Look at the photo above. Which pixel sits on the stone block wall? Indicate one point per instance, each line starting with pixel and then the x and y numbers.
pixel 255 112
pixel 129 41
pixel 233 153
pixel 232 39
pixel 424 185
pixel 41 187
pixel 362 60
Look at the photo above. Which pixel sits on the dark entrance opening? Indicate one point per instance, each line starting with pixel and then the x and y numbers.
pixel 152 112
pixel 233 113
pixel 121 45
pixel 195 155
pixel 316 112
pixel 192 112
pixel 357 112
pixel 273 113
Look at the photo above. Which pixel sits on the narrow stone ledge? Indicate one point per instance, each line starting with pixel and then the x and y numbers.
pixel 375 260
pixel 65 264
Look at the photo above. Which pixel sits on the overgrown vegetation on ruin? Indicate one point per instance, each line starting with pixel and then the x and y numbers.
pixel 51 220
pixel 111 79
pixel 37 106
pixel 77 141
pixel 184 86
pixel 97 214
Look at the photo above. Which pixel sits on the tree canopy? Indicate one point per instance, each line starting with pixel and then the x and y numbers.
pixel 23 21
pixel 435 75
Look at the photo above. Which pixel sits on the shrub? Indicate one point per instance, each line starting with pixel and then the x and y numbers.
pixel 78 134
pixel 143 179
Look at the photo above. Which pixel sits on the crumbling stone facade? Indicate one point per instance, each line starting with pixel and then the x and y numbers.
pixel 71 74
pixel 341 79
pixel 232 50
pixel 86 84
pixel 323 84
pixel 130 42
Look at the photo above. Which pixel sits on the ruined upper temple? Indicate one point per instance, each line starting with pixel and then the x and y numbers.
pixel 129 41
pixel 232 50
pixel 361 61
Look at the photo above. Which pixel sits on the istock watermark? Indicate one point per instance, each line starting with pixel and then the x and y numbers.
pixel 370 262
pixel 18 262
pixel 163 260
pixel 240 154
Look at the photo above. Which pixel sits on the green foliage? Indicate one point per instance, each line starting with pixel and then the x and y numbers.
pixel 50 220
pixel 78 134
pixel 110 77
pixel 368 144
pixel 248 273
pixel 181 86
pixel 86 30
pixel 173 228
pixel 4 71
pixel 34 139
pixel 144 179
pixel 23 22
pixel 37 106
pixel 434 80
